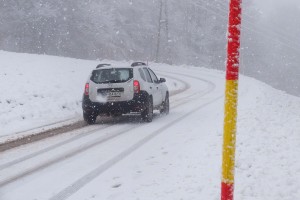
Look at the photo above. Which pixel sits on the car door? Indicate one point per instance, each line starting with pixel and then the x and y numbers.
pixel 157 88
pixel 151 85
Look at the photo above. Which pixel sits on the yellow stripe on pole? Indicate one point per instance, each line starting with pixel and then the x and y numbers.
pixel 230 118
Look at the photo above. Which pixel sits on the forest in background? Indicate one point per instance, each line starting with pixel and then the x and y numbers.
pixel 169 31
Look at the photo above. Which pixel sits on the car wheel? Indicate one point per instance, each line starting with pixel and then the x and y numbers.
pixel 147 114
pixel 90 118
pixel 165 105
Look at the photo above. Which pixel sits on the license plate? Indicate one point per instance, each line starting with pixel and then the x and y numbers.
pixel 115 94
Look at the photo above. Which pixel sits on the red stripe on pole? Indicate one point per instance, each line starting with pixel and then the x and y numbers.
pixel 234 30
pixel 227 191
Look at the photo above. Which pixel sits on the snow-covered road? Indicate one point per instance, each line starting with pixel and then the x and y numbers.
pixel 82 157
pixel 175 157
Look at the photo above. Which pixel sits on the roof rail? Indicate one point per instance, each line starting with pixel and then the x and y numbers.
pixel 103 65
pixel 134 64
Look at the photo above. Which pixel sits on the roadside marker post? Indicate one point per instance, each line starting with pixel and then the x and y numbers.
pixel 231 99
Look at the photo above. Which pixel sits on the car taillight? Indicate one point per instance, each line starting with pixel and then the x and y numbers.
pixel 86 89
pixel 136 86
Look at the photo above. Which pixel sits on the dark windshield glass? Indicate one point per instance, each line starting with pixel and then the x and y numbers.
pixel 113 75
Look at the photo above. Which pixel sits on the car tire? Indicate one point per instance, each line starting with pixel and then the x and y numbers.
pixel 165 105
pixel 89 118
pixel 147 114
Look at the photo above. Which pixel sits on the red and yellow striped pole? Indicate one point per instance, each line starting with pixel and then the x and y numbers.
pixel 231 98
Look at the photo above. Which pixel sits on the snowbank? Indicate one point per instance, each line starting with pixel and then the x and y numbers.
pixel 268 143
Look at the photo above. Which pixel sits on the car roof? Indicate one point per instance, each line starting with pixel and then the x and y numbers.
pixel 109 66
pixel 112 66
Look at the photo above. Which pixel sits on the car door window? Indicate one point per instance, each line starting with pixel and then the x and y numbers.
pixel 153 76
pixel 148 77
pixel 142 74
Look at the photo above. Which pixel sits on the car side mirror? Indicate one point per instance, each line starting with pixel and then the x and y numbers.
pixel 162 80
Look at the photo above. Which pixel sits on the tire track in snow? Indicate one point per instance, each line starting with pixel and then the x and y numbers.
pixel 77 137
pixel 64 156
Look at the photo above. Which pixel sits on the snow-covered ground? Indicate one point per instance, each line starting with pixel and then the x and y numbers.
pixel 183 161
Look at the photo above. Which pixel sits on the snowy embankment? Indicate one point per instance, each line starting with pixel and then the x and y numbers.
pixel 183 163
pixel 39 90
pixel 268 143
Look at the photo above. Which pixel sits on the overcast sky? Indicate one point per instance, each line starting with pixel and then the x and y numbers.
pixel 268 7
pixel 274 3
pixel 281 15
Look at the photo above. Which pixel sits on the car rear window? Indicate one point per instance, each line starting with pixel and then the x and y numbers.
pixel 112 75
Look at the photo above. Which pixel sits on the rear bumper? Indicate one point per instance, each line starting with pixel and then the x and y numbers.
pixel 137 104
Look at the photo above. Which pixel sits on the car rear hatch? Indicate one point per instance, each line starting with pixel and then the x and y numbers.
pixel 111 85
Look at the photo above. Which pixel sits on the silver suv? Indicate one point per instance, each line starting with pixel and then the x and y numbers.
pixel 114 90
